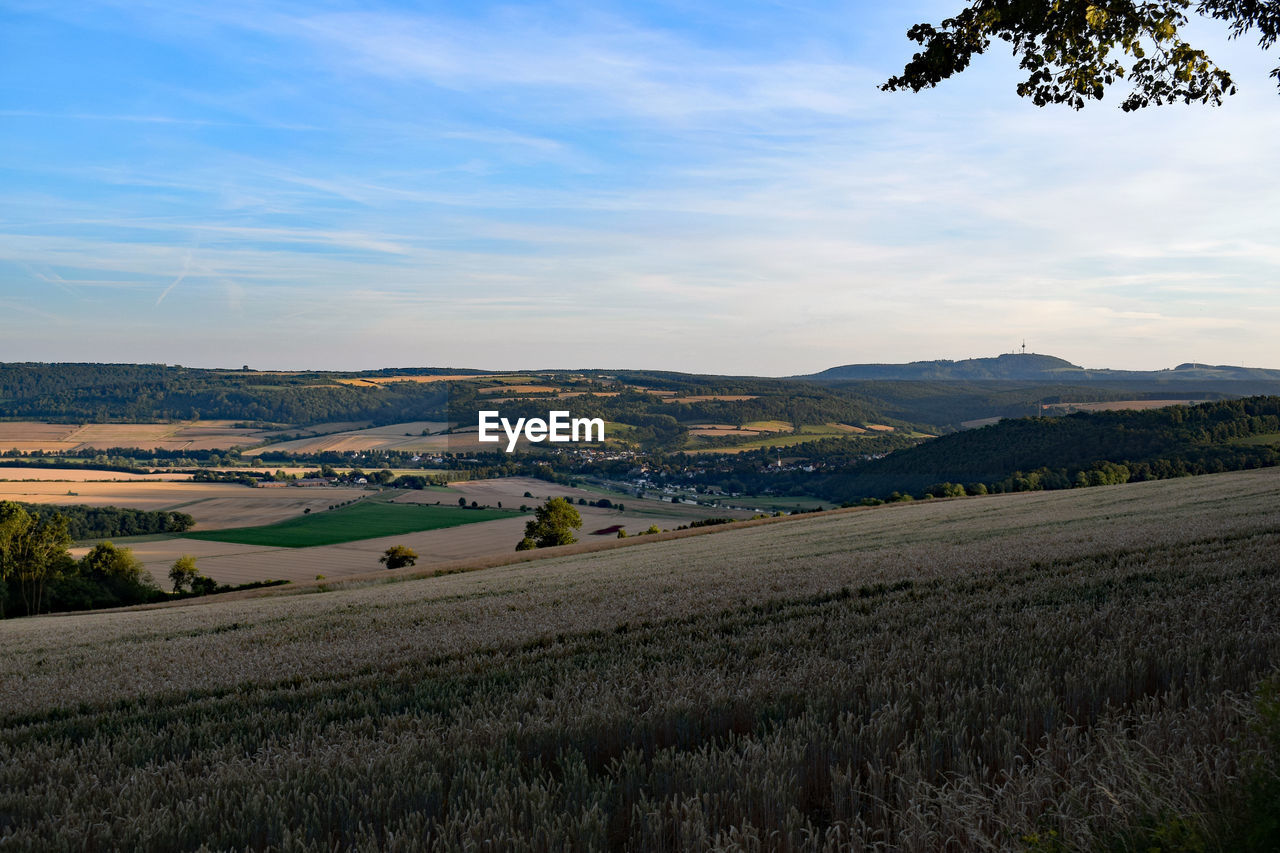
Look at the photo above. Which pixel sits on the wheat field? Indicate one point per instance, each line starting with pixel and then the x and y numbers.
pixel 1050 671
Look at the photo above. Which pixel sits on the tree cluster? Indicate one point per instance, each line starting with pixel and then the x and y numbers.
pixel 38 575
pixel 104 522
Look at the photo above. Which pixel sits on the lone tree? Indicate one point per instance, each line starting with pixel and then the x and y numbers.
pixel 398 556
pixel 553 524
pixel 183 572
pixel 1074 49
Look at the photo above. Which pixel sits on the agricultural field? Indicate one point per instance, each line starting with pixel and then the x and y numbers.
pixel 403 436
pixel 502 390
pixel 757 434
pixel 763 434
pixel 1075 670
pixel 375 381
pixel 212 505
pixel 1115 406
pixel 81 474
pixel 236 562
pixel 367 519
pixel 30 436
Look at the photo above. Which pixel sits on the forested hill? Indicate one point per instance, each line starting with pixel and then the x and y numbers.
pixel 1080 449
pixel 155 392
pixel 658 405
pixel 1007 366
pixel 1043 368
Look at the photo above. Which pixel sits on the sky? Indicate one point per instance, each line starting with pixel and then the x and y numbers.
pixel 714 187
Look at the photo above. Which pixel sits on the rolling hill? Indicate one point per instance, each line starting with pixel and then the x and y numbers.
pixel 1040 368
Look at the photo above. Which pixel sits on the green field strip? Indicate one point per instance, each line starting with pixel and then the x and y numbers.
pixel 1261 439
pixel 365 520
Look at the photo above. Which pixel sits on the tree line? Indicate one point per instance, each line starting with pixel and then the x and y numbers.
pixel 39 575
pixel 102 522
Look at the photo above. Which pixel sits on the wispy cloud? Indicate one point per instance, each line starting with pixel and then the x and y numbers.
pixel 607 188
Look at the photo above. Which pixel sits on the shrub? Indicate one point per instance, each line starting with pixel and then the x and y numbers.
pixel 398 556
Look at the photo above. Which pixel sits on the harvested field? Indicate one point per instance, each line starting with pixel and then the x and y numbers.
pixel 330 427
pixel 34 435
pixel 82 475
pixel 213 505
pixel 947 675
pixel 403 436
pixel 185 435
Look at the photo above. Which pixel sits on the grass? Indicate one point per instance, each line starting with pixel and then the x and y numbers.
pixel 772 503
pixel 363 520
pixel 1258 440
pixel 1078 670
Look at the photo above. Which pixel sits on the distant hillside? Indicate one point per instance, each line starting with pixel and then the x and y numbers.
pixel 1045 368
pixel 1081 449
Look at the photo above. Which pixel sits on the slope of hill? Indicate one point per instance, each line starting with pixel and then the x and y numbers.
pixel 1153 444
pixel 1041 368
pixel 1006 366
pixel 1076 666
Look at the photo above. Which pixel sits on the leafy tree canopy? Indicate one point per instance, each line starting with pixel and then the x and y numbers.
pixel 1072 50
pixel 553 524
pixel 183 572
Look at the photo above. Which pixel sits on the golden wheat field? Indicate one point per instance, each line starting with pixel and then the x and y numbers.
pixel 1050 671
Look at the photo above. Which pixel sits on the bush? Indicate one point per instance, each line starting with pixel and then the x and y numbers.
pixel 398 556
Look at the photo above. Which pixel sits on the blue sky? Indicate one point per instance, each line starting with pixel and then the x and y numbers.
pixel 709 187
